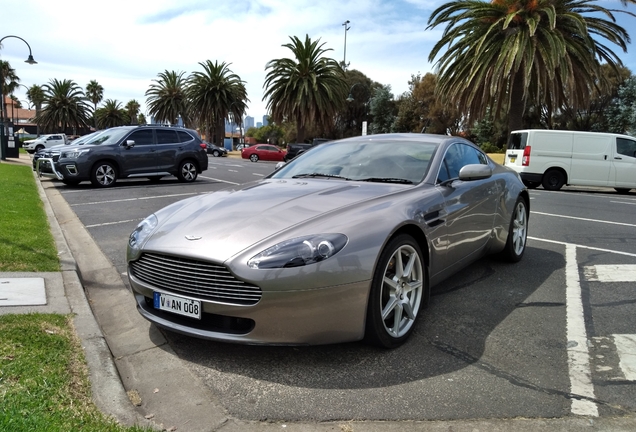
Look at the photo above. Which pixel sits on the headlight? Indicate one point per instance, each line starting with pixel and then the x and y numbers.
pixel 74 154
pixel 141 233
pixel 299 252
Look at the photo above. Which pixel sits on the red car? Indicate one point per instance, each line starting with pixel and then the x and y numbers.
pixel 266 152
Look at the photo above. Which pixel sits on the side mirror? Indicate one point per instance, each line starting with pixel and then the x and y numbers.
pixel 129 143
pixel 475 172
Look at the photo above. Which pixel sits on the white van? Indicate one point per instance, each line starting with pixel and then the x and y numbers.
pixel 44 141
pixel 556 158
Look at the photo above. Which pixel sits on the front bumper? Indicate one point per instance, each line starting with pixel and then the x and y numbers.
pixel 301 317
pixel 45 167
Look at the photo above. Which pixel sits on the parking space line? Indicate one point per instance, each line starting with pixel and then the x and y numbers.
pixel 576 335
pixel 257 174
pixel 583 246
pixel 219 180
pixel 610 273
pixel 626 348
pixel 583 219
pixel 134 199
pixel 114 223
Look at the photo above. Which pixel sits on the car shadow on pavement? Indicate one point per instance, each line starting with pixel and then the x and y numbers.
pixel 450 334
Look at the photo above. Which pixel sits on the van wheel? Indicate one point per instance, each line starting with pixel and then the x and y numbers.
pixel 622 191
pixel 553 180
pixel 104 174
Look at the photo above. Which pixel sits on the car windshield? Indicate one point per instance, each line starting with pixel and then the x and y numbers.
pixel 86 138
pixel 391 161
pixel 109 136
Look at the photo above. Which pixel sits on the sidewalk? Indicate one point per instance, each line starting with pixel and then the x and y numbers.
pixel 136 376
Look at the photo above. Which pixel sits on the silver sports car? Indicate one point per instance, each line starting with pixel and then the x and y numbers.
pixel 341 244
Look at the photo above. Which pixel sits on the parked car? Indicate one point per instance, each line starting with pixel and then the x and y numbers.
pixel 555 158
pixel 54 152
pixel 266 152
pixel 215 150
pixel 44 141
pixel 240 147
pixel 132 151
pixel 339 245
pixel 294 149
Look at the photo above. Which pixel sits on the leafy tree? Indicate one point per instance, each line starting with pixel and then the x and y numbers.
pixel 11 82
pixel 622 113
pixel 216 95
pixel 167 99
pixel 111 114
pixel 132 110
pixel 350 118
pixel 383 109
pixel 141 119
pixel 94 93
pixel 65 106
pixel 505 53
pixel 35 95
pixel 308 89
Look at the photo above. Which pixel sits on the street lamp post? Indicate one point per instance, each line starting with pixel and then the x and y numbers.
pixel 3 132
pixel 346 29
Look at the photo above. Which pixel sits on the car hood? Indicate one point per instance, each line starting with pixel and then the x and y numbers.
pixel 219 225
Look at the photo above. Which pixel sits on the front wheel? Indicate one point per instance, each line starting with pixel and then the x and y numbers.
pixel 553 180
pixel 103 174
pixel 517 233
pixel 254 158
pixel 187 172
pixel 397 290
pixel 216 153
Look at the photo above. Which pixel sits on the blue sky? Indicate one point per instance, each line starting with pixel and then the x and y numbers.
pixel 125 44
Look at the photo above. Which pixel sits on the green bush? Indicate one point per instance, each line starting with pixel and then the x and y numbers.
pixel 491 148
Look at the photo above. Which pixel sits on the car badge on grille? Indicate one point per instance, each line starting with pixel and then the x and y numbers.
pixel 193 237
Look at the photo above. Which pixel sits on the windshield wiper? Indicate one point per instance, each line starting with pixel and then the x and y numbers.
pixel 386 180
pixel 320 175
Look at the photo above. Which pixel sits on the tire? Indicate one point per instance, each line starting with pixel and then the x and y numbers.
pixel 553 180
pixel 531 184
pixel 396 297
pixel 622 191
pixel 254 158
pixel 155 179
pixel 103 174
pixel 38 148
pixel 187 172
pixel 517 233
pixel 71 182
pixel 216 153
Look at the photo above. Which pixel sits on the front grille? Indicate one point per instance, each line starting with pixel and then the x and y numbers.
pixel 199 279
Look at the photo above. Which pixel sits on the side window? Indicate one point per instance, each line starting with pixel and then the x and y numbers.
pixel 184 136
pixel 457 156
pixel 626 147
pixel 141 137
pixel 166 136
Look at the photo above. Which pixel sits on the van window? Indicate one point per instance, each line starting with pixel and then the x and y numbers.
pixel 626 147
pixel 517 141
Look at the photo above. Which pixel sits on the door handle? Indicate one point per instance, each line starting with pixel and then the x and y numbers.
pixel 617 158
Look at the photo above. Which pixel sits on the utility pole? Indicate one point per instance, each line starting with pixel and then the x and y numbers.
pixel 344 61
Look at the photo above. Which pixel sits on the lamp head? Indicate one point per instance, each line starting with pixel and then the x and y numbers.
pixel 30 60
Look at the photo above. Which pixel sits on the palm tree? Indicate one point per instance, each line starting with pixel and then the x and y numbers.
pixel 35 94
pixel 95 94
pixel 132 109
pixel 167 98
pixel 307 89
pixel 505 53
pixel 111 114
pixel 65 105
pixel 216 94
pixel 9 84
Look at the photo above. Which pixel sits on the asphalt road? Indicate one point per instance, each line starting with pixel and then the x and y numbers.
pixel 498 340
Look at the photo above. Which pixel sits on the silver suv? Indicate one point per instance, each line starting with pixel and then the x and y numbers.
pixel 131 151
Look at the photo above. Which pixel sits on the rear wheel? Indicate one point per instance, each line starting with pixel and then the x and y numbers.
pixel 216 153
pixel 553 179
pixel 187 172
pixel 103 174
pixel 254 158
pixel 517 233
pixel 622 191
pixel 397 290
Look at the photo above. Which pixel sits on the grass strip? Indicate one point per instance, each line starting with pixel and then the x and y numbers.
pixel 26 243
pixel 44 383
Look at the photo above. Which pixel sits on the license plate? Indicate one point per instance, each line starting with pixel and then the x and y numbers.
pixel 513 159
pixel 178 305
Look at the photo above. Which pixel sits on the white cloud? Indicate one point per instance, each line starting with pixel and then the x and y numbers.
pixel 124 44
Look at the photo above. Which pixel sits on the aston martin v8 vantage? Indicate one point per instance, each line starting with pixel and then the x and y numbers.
pixel 341 244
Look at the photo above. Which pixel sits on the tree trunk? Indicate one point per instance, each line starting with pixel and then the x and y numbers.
pixel 220 131
pixel 517 103
pixel 300 132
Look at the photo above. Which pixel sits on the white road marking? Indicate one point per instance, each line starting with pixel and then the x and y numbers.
pixel 134 199
pixel 114 223
pixel 576 334
pixel 623 202
pixel 232 170
pixel 611 273
pixel 257 174
pixel 583 219
pixel 626 349
pixel 219 180
pixel 584 247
